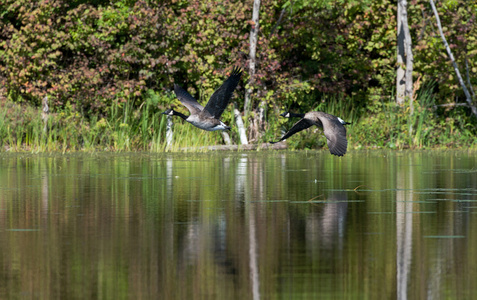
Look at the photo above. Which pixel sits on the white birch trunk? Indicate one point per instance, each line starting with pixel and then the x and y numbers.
pixel 400 74
pixel 169 132
pixel 45 114
pixel 261 115
pixel 226 137
pixel 404 82
pixel 409 55
pixel 241 128
pixel 252 55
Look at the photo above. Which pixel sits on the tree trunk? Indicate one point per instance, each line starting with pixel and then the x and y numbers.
pixel 400 73
pixel 409 55
pixel 449 52
pixel 241 128
pixel 252 55
pixel 169 131
pixel 404 83
pixel 45 114
pixel 262 113
pixel 226 138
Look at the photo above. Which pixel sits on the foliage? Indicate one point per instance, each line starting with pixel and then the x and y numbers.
pixel 97 59
pixel 458 19
pixel 89 54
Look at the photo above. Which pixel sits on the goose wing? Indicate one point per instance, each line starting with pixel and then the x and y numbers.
pixel 187 100
pixel 335 134
pixel 299 126
pixel 221 97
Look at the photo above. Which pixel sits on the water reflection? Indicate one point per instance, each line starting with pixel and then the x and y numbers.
pixel 326 228
pixel 404 223
pixel 238 225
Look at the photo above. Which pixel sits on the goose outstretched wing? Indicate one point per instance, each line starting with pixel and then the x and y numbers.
pixel 187 100
pixel 221 97
pixel 299 126
pixel 335 134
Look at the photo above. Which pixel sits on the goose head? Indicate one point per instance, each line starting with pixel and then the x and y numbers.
pixel 285 114
pixel 342 121
pixel 169 112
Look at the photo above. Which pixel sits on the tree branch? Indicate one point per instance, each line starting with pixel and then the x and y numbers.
pixel 468 76
pixel 449 52
pixel 279 20
pixel 450 105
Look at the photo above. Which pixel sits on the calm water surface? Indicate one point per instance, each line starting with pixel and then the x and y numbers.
pixel 266 225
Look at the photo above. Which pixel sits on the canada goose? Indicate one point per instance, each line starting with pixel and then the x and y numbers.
pixel 288 114
pixel 207 117
pixel 333 128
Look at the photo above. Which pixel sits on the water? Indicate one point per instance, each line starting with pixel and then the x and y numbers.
pixel 266 225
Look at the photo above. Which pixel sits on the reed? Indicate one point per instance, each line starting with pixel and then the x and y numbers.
pixel 131 126
pixel 396 127
pixel 384 125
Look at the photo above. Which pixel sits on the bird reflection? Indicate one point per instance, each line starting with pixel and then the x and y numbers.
pixel 327 227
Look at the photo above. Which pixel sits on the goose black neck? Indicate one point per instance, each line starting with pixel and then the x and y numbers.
pixel 292 115
pixel 176 113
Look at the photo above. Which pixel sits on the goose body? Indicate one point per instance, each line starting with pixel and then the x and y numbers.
pixel 207 118
pixel 333 128
pixel 205 123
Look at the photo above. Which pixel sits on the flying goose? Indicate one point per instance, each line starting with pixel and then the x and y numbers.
pixel 207 118
pixel 333 128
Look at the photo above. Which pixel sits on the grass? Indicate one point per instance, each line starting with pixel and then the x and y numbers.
pixel 124 129
pixel 427 127
pixel 130 126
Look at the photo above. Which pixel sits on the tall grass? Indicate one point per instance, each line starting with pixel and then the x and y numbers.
pixel 381 124
pixel 130 126
pixel 394 127
pixel 347 108
pixel 126 127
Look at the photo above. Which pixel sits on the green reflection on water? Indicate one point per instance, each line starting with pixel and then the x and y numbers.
pixel 238 225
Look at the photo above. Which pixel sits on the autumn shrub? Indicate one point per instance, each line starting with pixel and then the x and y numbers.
pixel 92 52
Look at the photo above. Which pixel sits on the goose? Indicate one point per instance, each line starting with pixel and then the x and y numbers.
pixel 333 128
pixel 207 118
pixel 288 114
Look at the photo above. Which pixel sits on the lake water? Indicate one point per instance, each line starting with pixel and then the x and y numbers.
pixel 239 225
